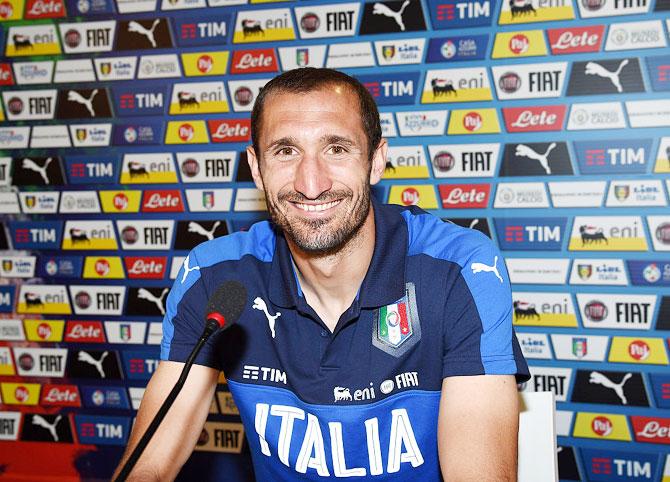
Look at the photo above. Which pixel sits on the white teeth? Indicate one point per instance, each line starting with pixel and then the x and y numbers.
pixel 317 207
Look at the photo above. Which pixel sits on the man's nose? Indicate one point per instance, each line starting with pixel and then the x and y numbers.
pixel 312 176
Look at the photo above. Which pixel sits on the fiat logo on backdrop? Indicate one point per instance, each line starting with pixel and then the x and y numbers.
pixel 26 361
pixel 190 167
pixel 129 235
pixel 72 38
pixel 15 105
pixel 595 310
pixel 663 233
pixel 310 22
pixel 244 96
pixel 444 161
pixel 82 300
pixel 509 83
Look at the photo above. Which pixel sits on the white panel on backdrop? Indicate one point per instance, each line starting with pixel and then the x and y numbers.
pixel 548 271
pixel 577 194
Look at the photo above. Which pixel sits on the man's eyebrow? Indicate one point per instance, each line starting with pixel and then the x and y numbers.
pixel 335 139
pixel 326 139
pixel 283 141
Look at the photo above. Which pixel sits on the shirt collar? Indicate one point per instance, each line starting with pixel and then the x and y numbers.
pixel 384 283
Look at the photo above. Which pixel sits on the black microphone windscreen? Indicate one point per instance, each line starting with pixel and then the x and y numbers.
pixel 228 300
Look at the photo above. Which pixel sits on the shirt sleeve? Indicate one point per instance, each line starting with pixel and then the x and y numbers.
pixel 478 338
pixel 184 319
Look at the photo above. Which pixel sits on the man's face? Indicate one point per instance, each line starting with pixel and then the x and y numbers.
pixel 313 166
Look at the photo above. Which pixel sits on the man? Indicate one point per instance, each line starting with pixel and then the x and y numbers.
pixel 377 340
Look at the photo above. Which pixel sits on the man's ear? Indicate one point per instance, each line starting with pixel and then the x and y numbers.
pixel 378 162
pixel 254 167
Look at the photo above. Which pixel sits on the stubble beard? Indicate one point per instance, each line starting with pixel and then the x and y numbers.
pixel 322 236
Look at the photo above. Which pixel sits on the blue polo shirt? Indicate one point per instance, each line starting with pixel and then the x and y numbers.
pixel 363 400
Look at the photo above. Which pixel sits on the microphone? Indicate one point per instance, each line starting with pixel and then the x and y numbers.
pixel 223 310
pixel 225 307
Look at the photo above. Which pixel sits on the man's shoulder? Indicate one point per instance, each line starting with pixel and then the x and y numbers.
pixel 258 241
pixel 431 236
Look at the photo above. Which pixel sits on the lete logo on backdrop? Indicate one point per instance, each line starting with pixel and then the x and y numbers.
pixel 254 61
pixel 464 195
pixel 229 130
pixel 534 119
pixel 576 39
pixel 651 429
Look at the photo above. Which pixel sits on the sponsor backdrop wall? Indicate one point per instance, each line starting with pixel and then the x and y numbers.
pixel 542 123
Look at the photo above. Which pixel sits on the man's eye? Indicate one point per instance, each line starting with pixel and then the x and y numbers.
pixel 285 151
pixel 337 150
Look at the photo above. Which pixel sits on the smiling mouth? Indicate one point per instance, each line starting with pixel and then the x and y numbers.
pixel 316 207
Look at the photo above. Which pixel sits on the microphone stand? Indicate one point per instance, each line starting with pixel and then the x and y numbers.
pixel 213 324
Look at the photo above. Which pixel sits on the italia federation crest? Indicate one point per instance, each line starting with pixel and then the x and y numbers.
pixel 81 134
pixel 388 51
pixel 396 326
pixel 124 331
pixel 208 199
pixel 302 57
pixel 106 68
pixel 579 347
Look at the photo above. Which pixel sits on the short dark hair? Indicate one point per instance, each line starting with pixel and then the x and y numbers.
pixel 309 79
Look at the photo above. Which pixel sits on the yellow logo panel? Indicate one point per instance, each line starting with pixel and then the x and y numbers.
pixel 663 156
pixel 202 107
pixel 463 95
pixel 205 63
pixel 103 267
pixel 120 201
pixel 456 85
pixel 473 121
pixel 47 308
pixel 44 330
pixel 6 365
pixel 106 243
pixel 148 169
pixel 528 43
pixel 2 114
pixel 603 426
pixel 406 172
pixel 567 320
pixel 222 378
pixel 186 132
pixel 630 349
pixel 613 244
pixel 222 437
pixel 227 404
pixel 20 393
pixel 34 39
pixel 103 238
pixel 422 195
pixel 263 26
pixel 527 14
pixel 11 10
pixel 269 35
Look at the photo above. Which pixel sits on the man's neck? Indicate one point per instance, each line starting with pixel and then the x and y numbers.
pixel 330 282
